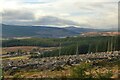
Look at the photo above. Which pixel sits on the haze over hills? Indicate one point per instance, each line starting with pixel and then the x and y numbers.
pixel 10 31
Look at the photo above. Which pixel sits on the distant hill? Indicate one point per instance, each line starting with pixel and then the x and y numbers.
pixel 10 31
pixel 80 30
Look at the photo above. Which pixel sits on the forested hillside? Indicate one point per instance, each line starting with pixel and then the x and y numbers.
pixel 69 44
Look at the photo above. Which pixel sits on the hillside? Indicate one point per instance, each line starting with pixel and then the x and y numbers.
pixel 85 44
pixel 81 30
pixel 10 31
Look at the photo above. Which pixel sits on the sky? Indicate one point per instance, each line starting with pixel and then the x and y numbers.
pixel 102 14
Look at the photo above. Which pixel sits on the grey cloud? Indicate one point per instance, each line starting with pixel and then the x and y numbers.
pixel 50 20
pixel 46 20
pixel 17 15
pixel 26 17
pixel 17 22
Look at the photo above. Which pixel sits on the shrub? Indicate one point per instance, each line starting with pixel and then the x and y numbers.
pixel 80 71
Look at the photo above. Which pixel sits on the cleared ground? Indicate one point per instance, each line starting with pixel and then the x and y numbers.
pixel 62 73
pixel 24 48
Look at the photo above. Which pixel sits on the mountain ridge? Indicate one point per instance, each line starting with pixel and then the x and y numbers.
pixel 10 31
pixel 35 31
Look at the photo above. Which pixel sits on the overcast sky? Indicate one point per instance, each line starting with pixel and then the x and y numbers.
pixel 80 13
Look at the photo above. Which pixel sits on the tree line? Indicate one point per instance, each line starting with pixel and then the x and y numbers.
pixel 69 45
